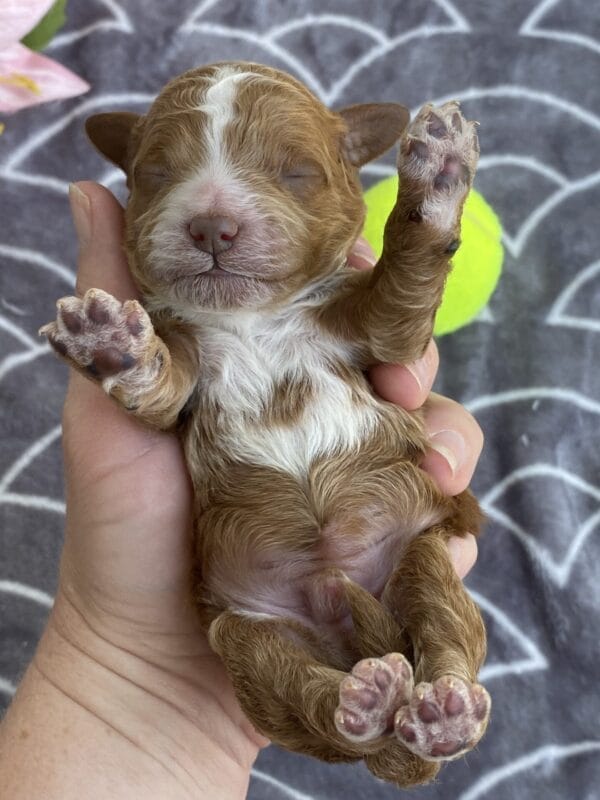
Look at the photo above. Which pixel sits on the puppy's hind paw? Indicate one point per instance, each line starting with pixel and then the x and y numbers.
pixel 371 695
pixel 444 719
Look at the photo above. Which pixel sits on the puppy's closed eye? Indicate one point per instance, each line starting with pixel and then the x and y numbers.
pixel 302 177
pixel 154 176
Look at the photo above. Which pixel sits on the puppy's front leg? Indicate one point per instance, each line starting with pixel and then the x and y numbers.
pixel 114 344
pixel 436 165
pixel 391 312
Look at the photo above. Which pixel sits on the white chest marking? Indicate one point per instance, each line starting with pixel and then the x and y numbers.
pixel 242 366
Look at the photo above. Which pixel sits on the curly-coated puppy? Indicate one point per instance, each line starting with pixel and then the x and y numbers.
pixel 322 574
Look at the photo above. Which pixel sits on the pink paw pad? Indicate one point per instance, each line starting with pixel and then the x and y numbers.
pixel 371 695
pixel 443 719
pixel 438 157
pixel 100 334
pixel 440 146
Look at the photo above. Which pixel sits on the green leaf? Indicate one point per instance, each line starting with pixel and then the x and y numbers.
pixel 43 32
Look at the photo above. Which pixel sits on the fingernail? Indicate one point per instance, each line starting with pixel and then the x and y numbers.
pixel 451 446
pixel 463 552
pixel 81 212
pixel 363 249
pixel 424 368
pixel 420 370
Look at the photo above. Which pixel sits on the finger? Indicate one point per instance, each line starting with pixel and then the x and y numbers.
pixel 362 255
pixel 463 552
pixel 97 428
pixel 455 444
pixel 99 222
pixel 407 385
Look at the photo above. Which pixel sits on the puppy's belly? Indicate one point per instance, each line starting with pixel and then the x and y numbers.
pixel 267 542
pixel 289 584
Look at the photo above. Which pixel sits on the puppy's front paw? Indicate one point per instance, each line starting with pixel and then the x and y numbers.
pixel 101 336
pixel 444 719
pixel 437 161
pixel 371 695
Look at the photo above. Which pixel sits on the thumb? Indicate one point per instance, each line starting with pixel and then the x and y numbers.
pixel 362 255
pixel 99 222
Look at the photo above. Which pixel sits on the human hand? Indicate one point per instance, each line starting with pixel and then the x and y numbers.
pixel 123 597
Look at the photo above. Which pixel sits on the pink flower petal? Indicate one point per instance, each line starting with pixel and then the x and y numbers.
pixel 21 68
pixel 18 17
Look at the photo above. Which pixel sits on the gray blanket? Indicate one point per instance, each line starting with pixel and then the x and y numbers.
pixel 528 368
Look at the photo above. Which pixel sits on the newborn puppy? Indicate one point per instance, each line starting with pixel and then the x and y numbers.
pixel 322 574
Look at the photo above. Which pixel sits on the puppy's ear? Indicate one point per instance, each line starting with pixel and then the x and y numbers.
pixel 113 135
pixel 372 129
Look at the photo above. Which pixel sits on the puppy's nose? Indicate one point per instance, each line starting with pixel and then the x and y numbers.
pixel 213 234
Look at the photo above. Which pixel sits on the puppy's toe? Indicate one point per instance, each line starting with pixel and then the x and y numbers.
pixel 104 338
pixel 437 162
pixel 443 719
pixel 370 696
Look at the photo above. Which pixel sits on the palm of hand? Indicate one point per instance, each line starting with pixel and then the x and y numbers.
pixel 126 562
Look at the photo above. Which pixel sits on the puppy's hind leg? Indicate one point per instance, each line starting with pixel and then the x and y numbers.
pixel 287 694
pixel 292 698
pixel 299 702
pixel 448 712
pixel 380 643
pixel 370 645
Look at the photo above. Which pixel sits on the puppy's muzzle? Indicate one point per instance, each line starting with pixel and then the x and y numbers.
pixel 213 234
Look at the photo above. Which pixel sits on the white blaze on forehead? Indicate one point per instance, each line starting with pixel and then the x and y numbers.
pixel 214 186
pixel 218 105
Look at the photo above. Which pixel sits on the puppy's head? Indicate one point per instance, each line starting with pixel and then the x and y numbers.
pixel 244 187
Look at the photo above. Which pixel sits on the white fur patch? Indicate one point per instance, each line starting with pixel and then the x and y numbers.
pixel 441 209
pixel 218 105
pixel 201 193
pixel 245 355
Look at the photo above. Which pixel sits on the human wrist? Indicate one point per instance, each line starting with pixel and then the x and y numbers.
pixel 180 726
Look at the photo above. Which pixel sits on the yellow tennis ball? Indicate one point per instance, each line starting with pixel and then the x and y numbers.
pixel 476 267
